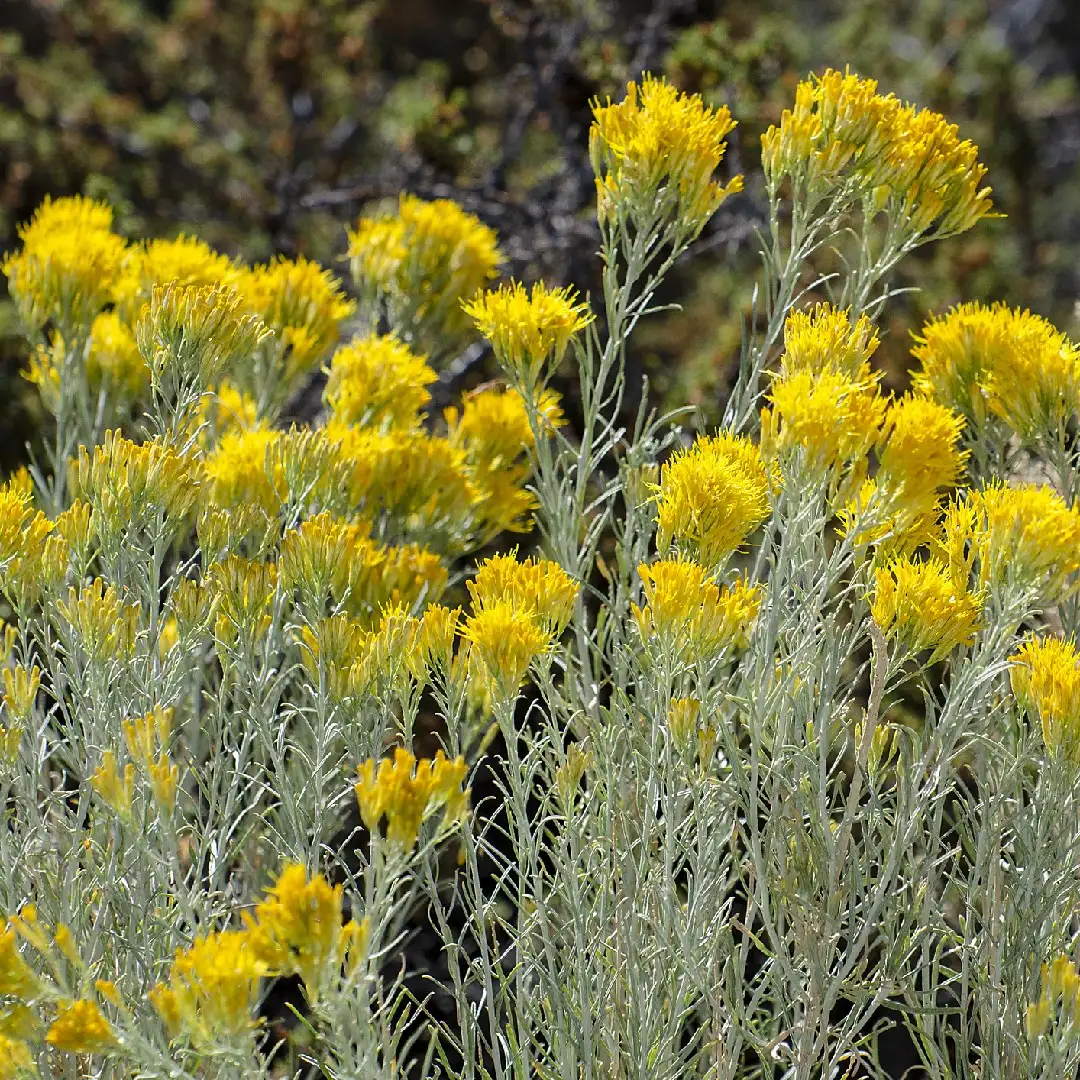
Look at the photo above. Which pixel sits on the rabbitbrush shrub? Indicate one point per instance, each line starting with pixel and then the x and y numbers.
pixel 783 722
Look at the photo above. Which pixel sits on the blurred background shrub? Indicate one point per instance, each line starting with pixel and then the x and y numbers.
pixel 267 126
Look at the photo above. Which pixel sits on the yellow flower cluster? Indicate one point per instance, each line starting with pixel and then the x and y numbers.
pixel 842 132
pixel 213 985
pixel 212 989
pixel 711 497
pixel 660 142
pixel 114 363
pixel 100 621
pixel 172 307
pixel 832 418
pixel 983 360
pixel 919 459
pixel 80 1028
pixel 354 657
pixel 33 553
pixel 1046 681
pixel 493 424
pixel 406 792
pixel 494 431
pixel 920 605
pixel 1059 989
pixel 920 455
pixel 17 980
pixel 268 468
pixel 115 790
pixel 185 262
pixel 325 557
pixel 420 264
pixel 411 475
pixel 193 333
pixel 824 399
pixel 378 382
pixel 129 484
pixel 519 610
pixel 21 685
pixel 529 330
pixel 298 930
pixel 690 614
pixel 15 1058
pixel 1023 535
pixel 302 303
pixel 68 263
pixel 822 338
pixel 147 740
pixel 242 593
pixel 225 408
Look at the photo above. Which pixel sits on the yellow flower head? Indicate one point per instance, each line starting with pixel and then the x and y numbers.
pixel 660 140
pixel 114 361
pixel 242 592
pixel 438 629
pixel 1023 534
pixel 931 174
pixel 67 264
pixel 408 474
pixel 20 690
pixel 185 262
pixel 74 213
pixel 128 484
pixel 1059 989
pixel 145 734
pixel 378 382
pixel 102 623
pixel 212 989
pixel 421 263
pixel 823 338
pixel 300 302
pixel 32 559
pixel 325 557
pixel 16 978
pixel 493 425
pixel 15 1058
pixel 503 641
pixel 115 791
pixel 982 359
pixel 194 333
pixel 297 929
pixel 922 606
pixel 236 471
pixel 529 330
pixel 711 497
pixel 920 456
pixel 840 130
pixel 1046 681
pixel 79 1028
pixel 683 716
pixel 538 587
pixel 406 791
pixel 837 123
pixel 43 370
pixel 689 613
pixel 832 418
pixel 335 649
pixel 224 409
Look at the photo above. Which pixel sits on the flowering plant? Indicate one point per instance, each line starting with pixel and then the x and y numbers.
pixel 770 747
